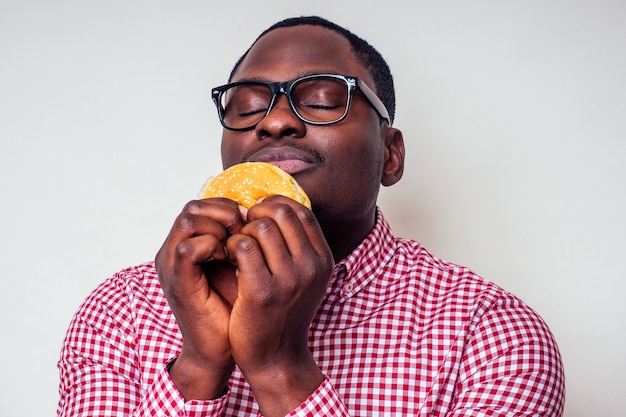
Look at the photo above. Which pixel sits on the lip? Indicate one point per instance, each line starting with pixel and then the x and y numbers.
pixel 290 160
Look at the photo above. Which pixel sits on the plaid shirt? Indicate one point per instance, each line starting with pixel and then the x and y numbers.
pixel 399 332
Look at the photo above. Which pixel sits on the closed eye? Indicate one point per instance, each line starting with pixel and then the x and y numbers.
pixel 251 113
pixel 322 107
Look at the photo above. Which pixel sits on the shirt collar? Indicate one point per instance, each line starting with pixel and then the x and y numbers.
pixel 366 261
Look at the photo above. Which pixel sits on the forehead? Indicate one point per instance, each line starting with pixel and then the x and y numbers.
pixel 287 53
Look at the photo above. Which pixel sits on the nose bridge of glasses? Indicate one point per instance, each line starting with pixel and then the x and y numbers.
pixel 284 89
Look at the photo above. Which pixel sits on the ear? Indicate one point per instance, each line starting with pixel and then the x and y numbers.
pixel 393 165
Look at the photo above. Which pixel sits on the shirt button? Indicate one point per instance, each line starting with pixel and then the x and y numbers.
pixel 347 287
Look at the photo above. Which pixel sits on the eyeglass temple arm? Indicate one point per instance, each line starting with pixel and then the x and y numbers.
pixel 375 100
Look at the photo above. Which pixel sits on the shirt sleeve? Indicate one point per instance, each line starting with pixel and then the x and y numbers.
pixel 323 402
pixel 100 372
pixel 511 365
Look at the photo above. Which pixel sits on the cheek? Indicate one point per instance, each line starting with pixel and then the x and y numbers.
pixel 364 154
pixel 232 149
pixel 357 165
pixel 369 166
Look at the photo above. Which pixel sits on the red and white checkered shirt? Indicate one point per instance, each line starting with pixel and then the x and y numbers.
pixel 399 332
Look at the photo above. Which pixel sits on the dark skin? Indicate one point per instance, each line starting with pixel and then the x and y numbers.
pixel 244 287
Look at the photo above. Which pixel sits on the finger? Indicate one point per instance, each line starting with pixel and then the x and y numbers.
pixel 295 222
pixel 269 238
pixel 222 211
pixel 192 241
pixel 288 256
pixel 254 280
pixel 216 218
pixel 199 249
pixel 182 278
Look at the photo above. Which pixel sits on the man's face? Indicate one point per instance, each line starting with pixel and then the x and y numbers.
pixel 338 165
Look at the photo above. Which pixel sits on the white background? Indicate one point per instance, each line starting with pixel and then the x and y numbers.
pixel 514 117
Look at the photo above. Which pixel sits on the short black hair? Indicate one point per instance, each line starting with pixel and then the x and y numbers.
pixel 367 55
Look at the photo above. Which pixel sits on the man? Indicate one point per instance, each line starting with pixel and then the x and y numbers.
pixel 283 310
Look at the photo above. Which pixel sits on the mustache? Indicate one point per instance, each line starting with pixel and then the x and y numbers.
pixel 316 155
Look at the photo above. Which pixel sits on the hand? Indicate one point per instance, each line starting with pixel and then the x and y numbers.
pixel 195 243
pixel 283 268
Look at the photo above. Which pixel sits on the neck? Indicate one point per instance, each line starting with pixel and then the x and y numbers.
pixel 343 236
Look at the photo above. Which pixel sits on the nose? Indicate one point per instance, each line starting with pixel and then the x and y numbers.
pixel 281 121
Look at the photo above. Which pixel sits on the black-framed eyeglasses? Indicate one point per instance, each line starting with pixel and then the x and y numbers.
pixel 319 99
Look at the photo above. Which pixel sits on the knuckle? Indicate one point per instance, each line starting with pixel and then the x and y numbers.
pixel 186 222
pixel 267 296
pixel 264 226
pixel 293 287
pixel 307 217
pixel 244 245
pixel 184 250
pixel 233 222
pixel 285 212
pixel 193 207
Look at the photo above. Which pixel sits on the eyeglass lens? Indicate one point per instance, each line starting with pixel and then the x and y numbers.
pixel 316 100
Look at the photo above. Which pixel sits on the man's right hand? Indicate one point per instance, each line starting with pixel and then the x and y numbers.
pixel 198 237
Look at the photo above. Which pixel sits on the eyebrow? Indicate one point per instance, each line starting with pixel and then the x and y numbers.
pixel 298 75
